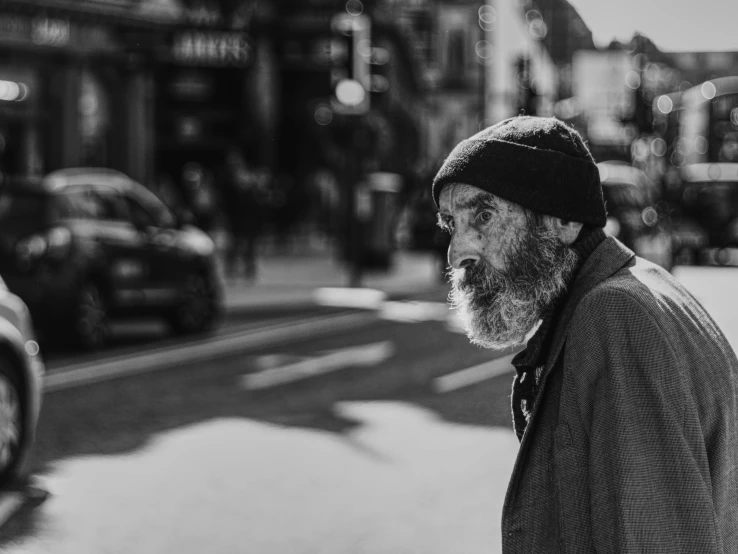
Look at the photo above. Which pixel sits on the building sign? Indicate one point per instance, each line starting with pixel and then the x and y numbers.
pixel 214 48
pixel 41 31
pixel 50 32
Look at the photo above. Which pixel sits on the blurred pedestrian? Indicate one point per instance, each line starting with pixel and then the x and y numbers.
pixel 244 194
pixel 167 191
pixel 202 196
pixel 624 399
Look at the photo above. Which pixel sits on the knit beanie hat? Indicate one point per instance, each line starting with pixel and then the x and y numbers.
pixel 538 163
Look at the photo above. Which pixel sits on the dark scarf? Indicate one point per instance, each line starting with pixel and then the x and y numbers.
pixel 529 363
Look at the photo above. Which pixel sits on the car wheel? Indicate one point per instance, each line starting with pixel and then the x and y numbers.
pixel 198 307
pixel 91 322
pixel 12 428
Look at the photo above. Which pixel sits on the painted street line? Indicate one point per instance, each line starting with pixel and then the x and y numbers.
pixel 353 356
pixel 473 375
pixel 66 363
pixel 206 350
pixel 344 297
pixel 454 322
pixel 414 311
pixel 9 504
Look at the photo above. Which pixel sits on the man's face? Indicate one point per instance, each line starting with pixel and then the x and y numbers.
pixel 506 265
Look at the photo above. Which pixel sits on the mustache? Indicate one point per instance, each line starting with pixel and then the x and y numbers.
pixel 477 278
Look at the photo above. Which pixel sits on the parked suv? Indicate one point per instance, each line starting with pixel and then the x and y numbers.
pixel 84 245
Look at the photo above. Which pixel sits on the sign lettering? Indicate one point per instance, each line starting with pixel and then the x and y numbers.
pixel 50 32
pixel 212 48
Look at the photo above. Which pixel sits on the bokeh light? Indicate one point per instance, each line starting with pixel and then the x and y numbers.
pixel 632 80
pixel 10 91
pixel 32 348
pixel 484 49
pixel 701 145
pixel 538 29
pixel 658 147
pixel 533 15
pixel 665 104
pixel 487 17
pixel 323 114
pixel 354 7
pixel 708 90
pixel 350 92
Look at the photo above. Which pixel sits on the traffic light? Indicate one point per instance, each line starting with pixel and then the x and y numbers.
pixel 350 57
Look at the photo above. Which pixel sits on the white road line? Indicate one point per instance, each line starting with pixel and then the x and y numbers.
pixel 63 364
pixel 347 297
pixel 81 374
pixel 9 504
pixel 473 375
pixel 353 356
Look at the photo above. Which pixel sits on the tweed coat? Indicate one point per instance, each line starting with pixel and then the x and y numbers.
pixel 632 442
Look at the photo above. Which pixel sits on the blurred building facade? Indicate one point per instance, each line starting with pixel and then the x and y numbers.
pixel 521 75
pixel 137 86
pixel 75 92
pixel 164 89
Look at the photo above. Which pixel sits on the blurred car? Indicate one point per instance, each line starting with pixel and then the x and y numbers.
pixel 21 374
pixel 635 215
pixel 81 246
pixel 706 233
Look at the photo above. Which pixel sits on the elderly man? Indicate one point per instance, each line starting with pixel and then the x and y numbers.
pixel 625 398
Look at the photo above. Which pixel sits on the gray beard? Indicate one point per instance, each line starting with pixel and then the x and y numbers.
pixel 499 309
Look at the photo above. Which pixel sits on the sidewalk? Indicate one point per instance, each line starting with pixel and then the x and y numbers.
pixel 291 280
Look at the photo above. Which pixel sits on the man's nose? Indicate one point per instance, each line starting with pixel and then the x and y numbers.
pixel 462 252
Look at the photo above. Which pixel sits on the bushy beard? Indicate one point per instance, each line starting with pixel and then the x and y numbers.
pixel 499 309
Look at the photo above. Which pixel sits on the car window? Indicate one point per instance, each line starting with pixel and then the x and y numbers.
pixel 77 203
pixel 157 212
pixel 112 205
pixel 96 203
pixel 140 216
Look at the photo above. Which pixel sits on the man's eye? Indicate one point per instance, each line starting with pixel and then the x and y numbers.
pixel 485 216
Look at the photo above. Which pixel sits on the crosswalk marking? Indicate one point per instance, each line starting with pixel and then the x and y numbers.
pixel 364 355
pixel 473 375
pixel 206 350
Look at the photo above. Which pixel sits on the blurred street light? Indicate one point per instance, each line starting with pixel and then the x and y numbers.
pixel 350 93
pixel 354 7
pixel 708 90
pixel 10 91
pixel 665 104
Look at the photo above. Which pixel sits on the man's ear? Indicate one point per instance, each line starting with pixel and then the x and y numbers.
pixel 568 231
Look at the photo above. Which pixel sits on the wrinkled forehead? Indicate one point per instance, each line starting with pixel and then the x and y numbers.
pixel 456 197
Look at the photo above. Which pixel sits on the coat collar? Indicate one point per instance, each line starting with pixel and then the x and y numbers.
pixel 607 259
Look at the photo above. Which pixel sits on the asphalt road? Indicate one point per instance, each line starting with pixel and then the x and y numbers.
pixel 359 435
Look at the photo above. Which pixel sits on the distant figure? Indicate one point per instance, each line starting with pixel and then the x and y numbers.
pixel 202 195
pixel 244 191
pixel 167 191
pixel 626 397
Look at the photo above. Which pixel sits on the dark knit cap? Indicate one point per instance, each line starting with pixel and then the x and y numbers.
pixel 539 163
